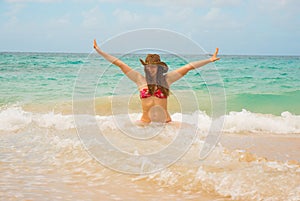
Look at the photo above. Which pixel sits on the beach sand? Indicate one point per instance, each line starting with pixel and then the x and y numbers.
pixel 280 147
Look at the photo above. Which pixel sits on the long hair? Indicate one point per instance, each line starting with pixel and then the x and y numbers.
pixel 160 82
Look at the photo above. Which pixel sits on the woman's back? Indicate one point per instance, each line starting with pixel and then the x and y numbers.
pixel 155 109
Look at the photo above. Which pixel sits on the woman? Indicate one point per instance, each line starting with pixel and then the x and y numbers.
pixel 154 86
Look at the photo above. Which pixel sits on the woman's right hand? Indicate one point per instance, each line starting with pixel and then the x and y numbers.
pixel 95 44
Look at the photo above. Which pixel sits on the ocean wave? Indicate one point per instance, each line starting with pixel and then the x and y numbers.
pixel 246 121
pixel 274 102
pixel 16 118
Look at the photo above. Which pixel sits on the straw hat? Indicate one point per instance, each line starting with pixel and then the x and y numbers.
pixel 155 59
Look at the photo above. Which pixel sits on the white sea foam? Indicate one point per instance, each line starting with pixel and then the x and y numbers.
pixel 57 121
pixel 246 121
pixel 15 118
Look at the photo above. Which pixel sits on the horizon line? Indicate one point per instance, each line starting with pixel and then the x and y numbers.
pixel 117 53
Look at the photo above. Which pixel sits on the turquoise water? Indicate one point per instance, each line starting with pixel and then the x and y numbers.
pixel 261 84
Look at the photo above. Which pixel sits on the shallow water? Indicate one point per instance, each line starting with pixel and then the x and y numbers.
pixel 42 154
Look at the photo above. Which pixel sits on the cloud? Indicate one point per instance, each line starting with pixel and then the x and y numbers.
pixel 126 16
pixel 215 17
pixel 61 21
pixel 12 15
pixel 33 1
pixel 213 14
pixel 269 5
pixel 93 17
pixel 96 24
pixel 14 10
pixel 185 19
pixel 226 3
pixel 162 3
pixel 279 15
pixel 176 3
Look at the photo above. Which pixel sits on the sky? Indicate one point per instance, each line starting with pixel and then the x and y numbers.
pixel 238 27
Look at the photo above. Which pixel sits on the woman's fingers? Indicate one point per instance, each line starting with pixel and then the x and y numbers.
pixel 215 55
pixel 216 52
pixel 95 43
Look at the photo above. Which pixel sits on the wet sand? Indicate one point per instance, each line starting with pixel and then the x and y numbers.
pixel 283 147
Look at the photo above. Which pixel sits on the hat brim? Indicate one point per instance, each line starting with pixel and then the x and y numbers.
pixel 162 64
pixel 142 61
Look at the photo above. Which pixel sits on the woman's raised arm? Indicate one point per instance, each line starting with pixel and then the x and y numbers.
pixel 180 72
pixel 129 72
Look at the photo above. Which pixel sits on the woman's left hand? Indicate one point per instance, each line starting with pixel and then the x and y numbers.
pixel 215 56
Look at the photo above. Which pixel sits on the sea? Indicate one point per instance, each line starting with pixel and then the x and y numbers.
pixel 68 131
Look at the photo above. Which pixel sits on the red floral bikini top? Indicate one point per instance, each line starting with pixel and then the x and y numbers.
pixel 144 93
